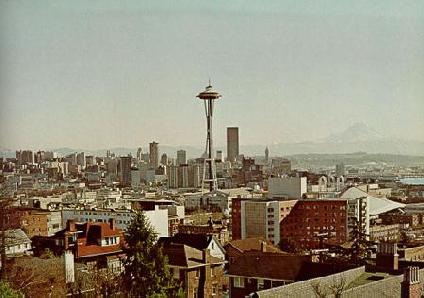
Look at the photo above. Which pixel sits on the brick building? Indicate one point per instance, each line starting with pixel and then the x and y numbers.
pixel 201 274
pixel 35 222
pixel 313 221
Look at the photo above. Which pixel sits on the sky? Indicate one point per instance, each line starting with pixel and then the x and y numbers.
pixel 100 74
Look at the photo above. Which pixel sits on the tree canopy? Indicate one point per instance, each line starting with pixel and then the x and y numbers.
pixel 146 273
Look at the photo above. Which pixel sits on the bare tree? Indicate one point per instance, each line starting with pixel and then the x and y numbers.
pixel 334 289
pixel 36 277
pixel 338 286
pixel 319 290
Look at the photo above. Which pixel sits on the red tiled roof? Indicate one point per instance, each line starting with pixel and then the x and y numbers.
pixel 94 250
pixel 90 236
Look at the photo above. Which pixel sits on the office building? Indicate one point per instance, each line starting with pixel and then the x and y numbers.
pixel 183 176
pixel 154 155
pixel 164 159
pixel 181 157
pixel 139 152
pixel 24 157
pixel 232 143
pixel 287 187
pixel 259 218
pixel 125 170
pixel 81 159
pixel 266 155
pixel 172 176
pixel 89 160
pixel 340 170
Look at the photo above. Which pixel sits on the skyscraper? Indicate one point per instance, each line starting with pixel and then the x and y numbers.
pixel 340 170
pixel 125 170
pixel 139 152
pixel 266 155
pixel 164 159
pixel 232 143
pixel 181 157
pixel 154 155
pixel 81 159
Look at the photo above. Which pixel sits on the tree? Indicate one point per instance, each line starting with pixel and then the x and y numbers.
pixel 35 277
pixel 334 288
pixel 360 245
pixel 146 273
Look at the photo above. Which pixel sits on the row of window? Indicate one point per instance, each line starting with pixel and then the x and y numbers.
pixel 103 220
pixel 239 282
pixel 297 228
pixel 102 213
pixel 111 240
pixel 325 207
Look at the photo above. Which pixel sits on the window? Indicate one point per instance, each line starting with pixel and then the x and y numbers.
pixel 176 272
pixel 238 282
pixel 260 284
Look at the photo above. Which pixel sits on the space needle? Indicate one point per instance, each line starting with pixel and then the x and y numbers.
pixel 209 96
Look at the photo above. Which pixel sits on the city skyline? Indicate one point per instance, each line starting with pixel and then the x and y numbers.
pixel 101 74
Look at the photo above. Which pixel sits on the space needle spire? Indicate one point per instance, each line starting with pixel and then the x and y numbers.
pixel 209 171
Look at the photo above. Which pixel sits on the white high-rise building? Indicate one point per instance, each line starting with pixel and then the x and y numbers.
pixel 289 187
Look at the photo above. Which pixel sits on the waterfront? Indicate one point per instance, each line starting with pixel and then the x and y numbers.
pixel 413 181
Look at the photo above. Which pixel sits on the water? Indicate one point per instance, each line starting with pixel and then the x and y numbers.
pixel 413 181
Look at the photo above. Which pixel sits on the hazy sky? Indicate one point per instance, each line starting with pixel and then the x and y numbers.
pixel 99 74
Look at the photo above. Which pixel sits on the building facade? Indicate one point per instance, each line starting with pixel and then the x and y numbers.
pixel 232 143
pixel 259 218
pixel 311 223
pixel 154 155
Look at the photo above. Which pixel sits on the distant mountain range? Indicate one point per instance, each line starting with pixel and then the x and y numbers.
pixel 356 138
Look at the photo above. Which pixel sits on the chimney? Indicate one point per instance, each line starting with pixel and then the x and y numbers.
pixel 411 285
pixel 387 259
pixel 112 223
pixel 69 266
pixel 206 256
pixel 263 246
pixel 70 225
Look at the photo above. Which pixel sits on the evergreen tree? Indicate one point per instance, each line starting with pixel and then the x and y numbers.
pixel 146 273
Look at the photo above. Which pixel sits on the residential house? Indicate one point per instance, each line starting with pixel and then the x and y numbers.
pixel 16 242
pixel 98 245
